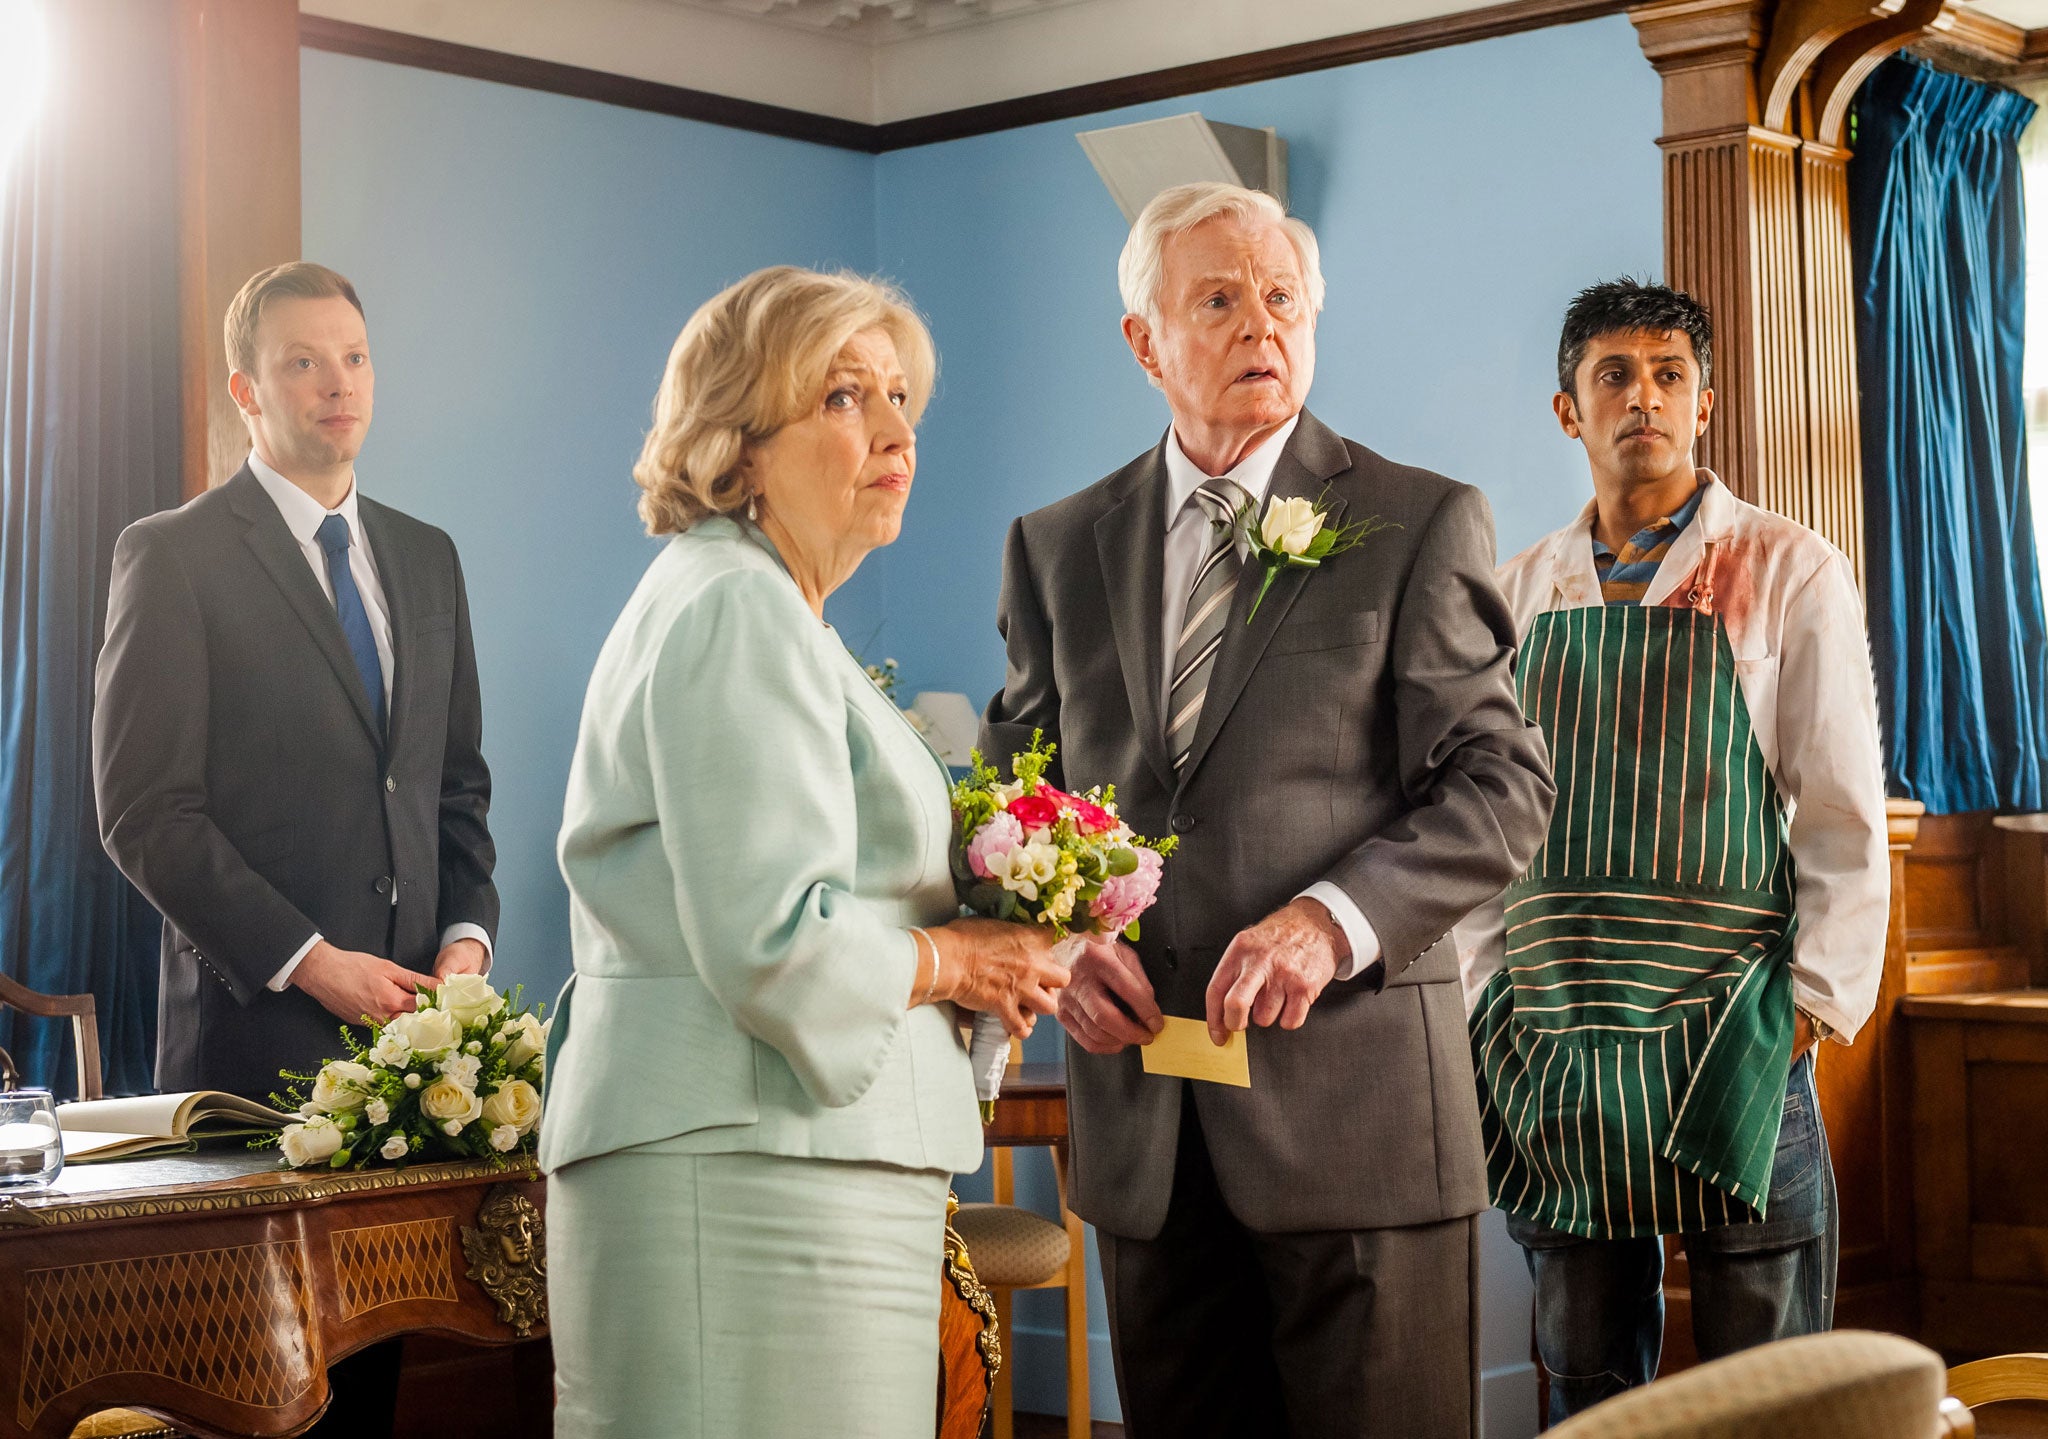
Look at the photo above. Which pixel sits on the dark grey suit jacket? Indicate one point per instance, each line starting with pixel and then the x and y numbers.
pixel 1363 729
pixel 243 786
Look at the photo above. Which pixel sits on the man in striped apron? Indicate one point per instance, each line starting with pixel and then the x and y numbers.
pixel 1712 897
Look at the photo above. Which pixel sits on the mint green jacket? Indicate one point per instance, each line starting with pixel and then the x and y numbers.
pixel 750 827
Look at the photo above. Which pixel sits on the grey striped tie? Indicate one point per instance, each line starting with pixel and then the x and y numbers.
pixel 1201 632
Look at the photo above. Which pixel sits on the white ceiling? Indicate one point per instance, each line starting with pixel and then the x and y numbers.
pixel 877 20
pixel 2027 14
pixel 878 60
pixel 874 61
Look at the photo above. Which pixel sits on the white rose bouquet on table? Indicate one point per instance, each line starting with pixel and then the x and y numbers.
pixel 458 1078
pixel 1027 852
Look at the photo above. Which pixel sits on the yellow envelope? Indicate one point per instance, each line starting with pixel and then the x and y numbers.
pixel 1183 1049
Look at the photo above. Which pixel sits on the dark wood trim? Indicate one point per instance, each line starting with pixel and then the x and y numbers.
pixel 449 58
pixel 1381 44
pixel 398 48
pixel 1984 47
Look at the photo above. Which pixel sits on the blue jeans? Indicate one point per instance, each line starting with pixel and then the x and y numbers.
pixel 1600 1302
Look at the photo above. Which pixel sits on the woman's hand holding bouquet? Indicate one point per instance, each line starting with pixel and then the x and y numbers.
pixel 1060 867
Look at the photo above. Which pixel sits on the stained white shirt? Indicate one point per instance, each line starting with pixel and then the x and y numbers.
pixel 303 516
pixel 1796 627
pixel 1188 538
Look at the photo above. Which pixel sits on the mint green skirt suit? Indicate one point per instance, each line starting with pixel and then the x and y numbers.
pixel 747 1136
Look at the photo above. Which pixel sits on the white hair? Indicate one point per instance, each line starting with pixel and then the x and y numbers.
pixel 1141 269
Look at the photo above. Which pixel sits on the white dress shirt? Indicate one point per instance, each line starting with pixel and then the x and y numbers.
pixel 1802 659
pixel 1188 539
pixel 303 516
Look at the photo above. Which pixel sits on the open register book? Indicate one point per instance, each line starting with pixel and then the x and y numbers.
pixel 151 1123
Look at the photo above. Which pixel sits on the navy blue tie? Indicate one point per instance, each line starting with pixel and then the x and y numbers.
pixel 355 620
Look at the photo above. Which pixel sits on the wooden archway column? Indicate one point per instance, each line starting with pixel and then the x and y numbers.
pixel 1756 224
pixel 238 148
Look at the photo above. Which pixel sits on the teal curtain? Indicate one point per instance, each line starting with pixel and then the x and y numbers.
pixel 89 441
pixel 1938 225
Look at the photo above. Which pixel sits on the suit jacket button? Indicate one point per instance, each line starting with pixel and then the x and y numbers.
pixel 1182 823
pixel 383 884
pixel 390 784
pixel 1172 957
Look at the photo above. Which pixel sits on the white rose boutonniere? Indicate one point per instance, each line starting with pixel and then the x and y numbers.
pixel 1297 533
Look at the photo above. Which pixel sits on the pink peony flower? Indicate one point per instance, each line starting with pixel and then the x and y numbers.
pixel 1126 896
pixel 999 836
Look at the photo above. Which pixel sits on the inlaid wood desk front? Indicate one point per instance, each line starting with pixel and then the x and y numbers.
pixel 215 1289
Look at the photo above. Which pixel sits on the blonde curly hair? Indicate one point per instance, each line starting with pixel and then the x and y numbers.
pixel 752 359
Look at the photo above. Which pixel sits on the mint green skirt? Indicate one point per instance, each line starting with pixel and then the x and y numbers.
pixel 744 1296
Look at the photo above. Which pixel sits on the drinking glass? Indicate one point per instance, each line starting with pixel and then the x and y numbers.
pixel 31 1148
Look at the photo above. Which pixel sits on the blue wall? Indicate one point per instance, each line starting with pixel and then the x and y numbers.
pixel 1461 196
pixel 527 259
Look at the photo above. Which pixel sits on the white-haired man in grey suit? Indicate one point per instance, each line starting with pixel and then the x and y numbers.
pixel 1349 773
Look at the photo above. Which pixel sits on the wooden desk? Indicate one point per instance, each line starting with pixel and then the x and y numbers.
pixel 1980 1168
pixel 215 1289
pixel 1032 1108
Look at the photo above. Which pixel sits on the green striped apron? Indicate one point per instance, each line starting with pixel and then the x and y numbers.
pixel 1632 1054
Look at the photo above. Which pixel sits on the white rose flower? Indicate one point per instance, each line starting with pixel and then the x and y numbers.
pixel 516 1104
pixel 342 1085
pixel 525 1039
pixel 1290 525
pixel 395 1147
pixel 504 1137
pixel 445 1099
pixel 314 1142
pixel 453 1128
pixel 430 1032
pixel 462 1068
pixel 469 997
pixel 378 1111
pixel 412 1081
pixel 391 1050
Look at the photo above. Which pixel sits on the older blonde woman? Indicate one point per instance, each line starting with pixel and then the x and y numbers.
pixel 759 1089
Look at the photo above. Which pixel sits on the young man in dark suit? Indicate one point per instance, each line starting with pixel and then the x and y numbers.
pixel 286 739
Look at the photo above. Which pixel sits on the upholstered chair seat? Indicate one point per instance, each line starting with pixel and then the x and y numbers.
pixel 1845 1385
pixel 1013 1248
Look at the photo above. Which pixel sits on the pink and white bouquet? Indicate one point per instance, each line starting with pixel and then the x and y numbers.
pixel 458 1078
pixel 1030 853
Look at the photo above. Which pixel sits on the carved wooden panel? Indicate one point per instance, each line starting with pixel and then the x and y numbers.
pixel 236 1322
pixel 1980 1168
pixel 1834 504
pixel 393 1263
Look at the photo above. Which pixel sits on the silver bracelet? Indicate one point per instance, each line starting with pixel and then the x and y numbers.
pixel 929 989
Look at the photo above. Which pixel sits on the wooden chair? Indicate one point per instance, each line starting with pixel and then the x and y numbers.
pixel 85 1035
pixel 1998 1380
pixel 1016 1248
pixel 85 1032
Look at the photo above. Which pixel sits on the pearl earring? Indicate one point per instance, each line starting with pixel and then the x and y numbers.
pixel 753 509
